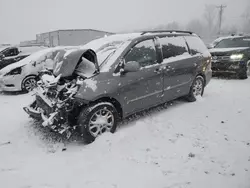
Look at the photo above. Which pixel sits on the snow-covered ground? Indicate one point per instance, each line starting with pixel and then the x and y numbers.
pixel 205 144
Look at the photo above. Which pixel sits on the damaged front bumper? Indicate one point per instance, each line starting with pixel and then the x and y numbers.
pixel 50 115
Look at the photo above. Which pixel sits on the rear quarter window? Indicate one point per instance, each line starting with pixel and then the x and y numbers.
pixel 173 46
pixel 196 45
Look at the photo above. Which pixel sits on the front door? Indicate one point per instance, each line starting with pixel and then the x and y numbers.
pixel 143 89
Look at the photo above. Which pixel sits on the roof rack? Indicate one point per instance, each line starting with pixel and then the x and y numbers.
pixel 167 31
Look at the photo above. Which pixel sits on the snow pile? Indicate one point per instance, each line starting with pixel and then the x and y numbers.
pixel 203 144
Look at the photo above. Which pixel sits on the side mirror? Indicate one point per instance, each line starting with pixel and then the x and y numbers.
pixel 131 66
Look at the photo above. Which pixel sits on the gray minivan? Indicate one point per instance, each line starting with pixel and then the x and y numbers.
pixel 92 88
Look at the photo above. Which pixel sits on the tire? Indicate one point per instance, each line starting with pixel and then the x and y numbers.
pixel 90 131
pixel 28 83
pixel 197 89
pixel 243 76
pixel 246 73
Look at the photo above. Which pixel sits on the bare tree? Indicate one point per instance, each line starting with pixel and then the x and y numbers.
pixel 210 15
pixel 246 19
pixel 173 25
pixel 195 26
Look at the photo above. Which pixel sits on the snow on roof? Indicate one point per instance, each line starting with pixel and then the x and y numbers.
pixel 227 37
pixel 95 44
pixel 3 48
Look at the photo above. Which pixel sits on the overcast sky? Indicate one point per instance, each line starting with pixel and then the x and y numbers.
pixel 23 19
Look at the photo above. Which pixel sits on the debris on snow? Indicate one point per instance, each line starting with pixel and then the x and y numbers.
pixel 191 155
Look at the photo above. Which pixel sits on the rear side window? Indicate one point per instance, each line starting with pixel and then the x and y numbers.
pixel 196 45
pixel 173 46
pixel 144 53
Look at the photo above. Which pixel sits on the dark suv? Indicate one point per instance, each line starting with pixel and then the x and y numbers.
pixel 232 55
pixel 95 86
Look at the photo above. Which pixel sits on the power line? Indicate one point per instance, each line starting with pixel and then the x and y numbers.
pixel 221 9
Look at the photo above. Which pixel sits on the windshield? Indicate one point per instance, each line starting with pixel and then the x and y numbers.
pixel 104 48
pixel 105 51
pixel 234 43
pixel 1 49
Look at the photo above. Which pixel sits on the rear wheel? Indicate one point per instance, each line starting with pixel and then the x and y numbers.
pixel 97 119
pixel 29 83
pixel 197 89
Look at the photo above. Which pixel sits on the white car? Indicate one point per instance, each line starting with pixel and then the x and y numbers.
pixel 21 76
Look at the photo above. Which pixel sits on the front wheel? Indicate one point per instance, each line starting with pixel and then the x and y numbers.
pixel 246 73
pixel 97 119
pixel 197 89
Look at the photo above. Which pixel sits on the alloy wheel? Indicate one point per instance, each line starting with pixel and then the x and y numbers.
pixel 101 121
pixel 198 87
pixel 29 84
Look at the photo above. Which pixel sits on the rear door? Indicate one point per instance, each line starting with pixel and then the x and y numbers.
pixel 142 89
pixel 200 55
pixel 178 65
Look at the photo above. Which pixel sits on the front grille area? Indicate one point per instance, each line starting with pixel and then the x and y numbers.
pixel 221 58
pixel 43 105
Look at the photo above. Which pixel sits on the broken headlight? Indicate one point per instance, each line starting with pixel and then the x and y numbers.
pixel 15 71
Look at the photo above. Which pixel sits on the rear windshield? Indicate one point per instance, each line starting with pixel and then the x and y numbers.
pixel 196 45
pixel 234 43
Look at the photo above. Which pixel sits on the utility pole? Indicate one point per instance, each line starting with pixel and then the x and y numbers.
pixel 221 9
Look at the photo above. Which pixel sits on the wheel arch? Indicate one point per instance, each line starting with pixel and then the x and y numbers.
pixel 203 76
pixel 30 75
pixel 113 101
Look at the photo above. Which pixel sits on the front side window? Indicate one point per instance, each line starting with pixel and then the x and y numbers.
pixel 144 53
pixel 173 46
pixel 234 43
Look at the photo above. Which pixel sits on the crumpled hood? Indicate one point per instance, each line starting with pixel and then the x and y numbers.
pixel 227 51
pixel 66 63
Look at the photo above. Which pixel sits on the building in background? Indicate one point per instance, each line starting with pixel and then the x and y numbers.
pixel 30 43
pixel 72 37
pixel 3 45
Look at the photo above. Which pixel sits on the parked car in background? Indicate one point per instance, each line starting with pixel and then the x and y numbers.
pixel 217 40
pixel 91 90
pixel 12 54
pixel 232 55
pixel 21 76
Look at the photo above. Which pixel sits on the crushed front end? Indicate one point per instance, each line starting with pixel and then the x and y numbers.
pixel 54 103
